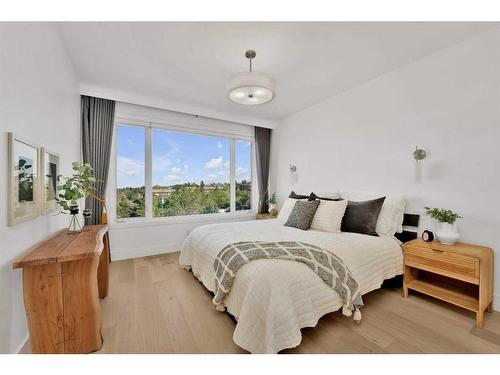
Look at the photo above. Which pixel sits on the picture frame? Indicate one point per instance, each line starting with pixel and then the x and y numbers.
pixel 23 180
pixel 49 170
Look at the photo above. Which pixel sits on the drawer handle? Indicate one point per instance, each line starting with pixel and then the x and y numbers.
pixel 438 251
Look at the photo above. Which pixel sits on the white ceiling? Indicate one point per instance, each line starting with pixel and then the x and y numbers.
pixel 189 63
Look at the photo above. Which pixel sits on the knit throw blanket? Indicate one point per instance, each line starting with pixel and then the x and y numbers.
pixel 329 267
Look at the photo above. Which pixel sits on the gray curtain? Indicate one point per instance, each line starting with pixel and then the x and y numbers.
pixel 97 116
pixel 263 153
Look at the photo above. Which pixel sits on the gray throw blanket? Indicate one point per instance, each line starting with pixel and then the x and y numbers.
pixel 329 267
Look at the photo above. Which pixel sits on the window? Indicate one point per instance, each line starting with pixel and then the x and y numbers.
pixel 190 174
pixel 130 181
pixel 178 173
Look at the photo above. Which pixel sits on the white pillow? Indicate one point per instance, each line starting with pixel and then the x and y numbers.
pixel 287 208
pixel 328 216
pixel 390 219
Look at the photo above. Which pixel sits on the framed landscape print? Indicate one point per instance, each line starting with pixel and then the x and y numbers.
pixel 49 170
pixel 24 192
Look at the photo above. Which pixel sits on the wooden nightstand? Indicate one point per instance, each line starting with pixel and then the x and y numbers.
pixel 266 216
pixel 460 274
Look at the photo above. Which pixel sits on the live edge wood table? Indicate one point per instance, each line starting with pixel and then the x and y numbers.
pixel 460 274
pixel 63 278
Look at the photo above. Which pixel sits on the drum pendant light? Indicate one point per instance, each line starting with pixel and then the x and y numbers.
pixel 250 88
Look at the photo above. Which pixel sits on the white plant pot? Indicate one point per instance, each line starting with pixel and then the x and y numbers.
pixel 271 207
pixel 447 234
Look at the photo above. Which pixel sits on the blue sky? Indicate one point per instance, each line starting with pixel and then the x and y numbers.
pixel 178 157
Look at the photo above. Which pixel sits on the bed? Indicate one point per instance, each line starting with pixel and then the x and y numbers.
pixel 273 299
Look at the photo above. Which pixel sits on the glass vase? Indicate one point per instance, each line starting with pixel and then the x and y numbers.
pixel 87 219
pixel 74 223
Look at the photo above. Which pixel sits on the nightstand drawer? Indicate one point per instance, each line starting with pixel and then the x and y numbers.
pixel 443 262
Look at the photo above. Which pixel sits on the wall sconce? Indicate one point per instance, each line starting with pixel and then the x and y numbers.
pixel 293 174
pixel 419 154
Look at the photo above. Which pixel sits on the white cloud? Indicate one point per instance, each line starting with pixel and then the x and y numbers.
pixel 242 174
pixel 161 163
pixel 226 164
pixel 211 177
pixel 214 163
pixel 129 167
pixel 176 173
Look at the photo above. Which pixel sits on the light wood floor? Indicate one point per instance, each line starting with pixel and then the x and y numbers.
pixel 154 306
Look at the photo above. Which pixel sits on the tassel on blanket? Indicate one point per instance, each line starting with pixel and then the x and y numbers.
pixel 346 311
pixel 357 316
pixel 220 307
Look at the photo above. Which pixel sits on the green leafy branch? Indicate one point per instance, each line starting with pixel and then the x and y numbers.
pixel 79 185
pixel 442 215
pixel 272 199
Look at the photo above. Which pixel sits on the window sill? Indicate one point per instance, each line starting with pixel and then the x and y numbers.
pixel 173 220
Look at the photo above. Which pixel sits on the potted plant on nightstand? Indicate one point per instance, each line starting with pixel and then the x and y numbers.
pixel 272 202
pixel 447 233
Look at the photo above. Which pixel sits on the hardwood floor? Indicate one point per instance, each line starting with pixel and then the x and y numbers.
pixel 154 306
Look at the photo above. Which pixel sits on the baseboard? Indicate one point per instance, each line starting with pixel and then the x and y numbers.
pixel 145 251
pixel 24 347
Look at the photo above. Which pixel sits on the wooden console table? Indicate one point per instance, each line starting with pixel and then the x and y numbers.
pixel 63 278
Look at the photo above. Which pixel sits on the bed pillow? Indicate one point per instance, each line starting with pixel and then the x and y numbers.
pixel 287 208
pixel 297 196
pixel 361 217
pixel 328 216
pixel 302 214
pixel 325 196
pixel 390 219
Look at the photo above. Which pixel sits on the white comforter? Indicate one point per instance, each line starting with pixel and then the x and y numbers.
pixel 273 299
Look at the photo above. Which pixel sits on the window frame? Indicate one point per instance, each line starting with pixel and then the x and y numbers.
pixel 149 219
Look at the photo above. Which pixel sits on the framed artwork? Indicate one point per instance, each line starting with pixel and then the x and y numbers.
pixel 49 170
pixel 24 191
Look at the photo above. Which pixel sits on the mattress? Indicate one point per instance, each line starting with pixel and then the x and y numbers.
pixel 273 299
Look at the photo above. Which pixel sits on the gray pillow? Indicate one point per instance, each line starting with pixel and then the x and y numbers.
pixel 302 214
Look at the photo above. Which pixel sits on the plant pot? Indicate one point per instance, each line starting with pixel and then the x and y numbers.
pixel 272 208
pixel 447 234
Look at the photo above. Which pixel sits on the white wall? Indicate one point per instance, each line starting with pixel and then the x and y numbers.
pixel 141 237
pixel 39 101
pixel 447 103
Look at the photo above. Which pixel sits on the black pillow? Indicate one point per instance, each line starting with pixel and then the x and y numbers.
pixel 361 217
pixel 302 214
pixel 313 197
pixel 298 196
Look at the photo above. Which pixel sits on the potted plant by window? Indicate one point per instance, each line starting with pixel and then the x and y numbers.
pixel 71 189
pixel 272 202
pixel 447 232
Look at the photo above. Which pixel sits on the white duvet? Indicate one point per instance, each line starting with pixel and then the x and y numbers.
pixel 273 299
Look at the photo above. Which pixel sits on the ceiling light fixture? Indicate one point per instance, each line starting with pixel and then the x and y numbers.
pixel 250 88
